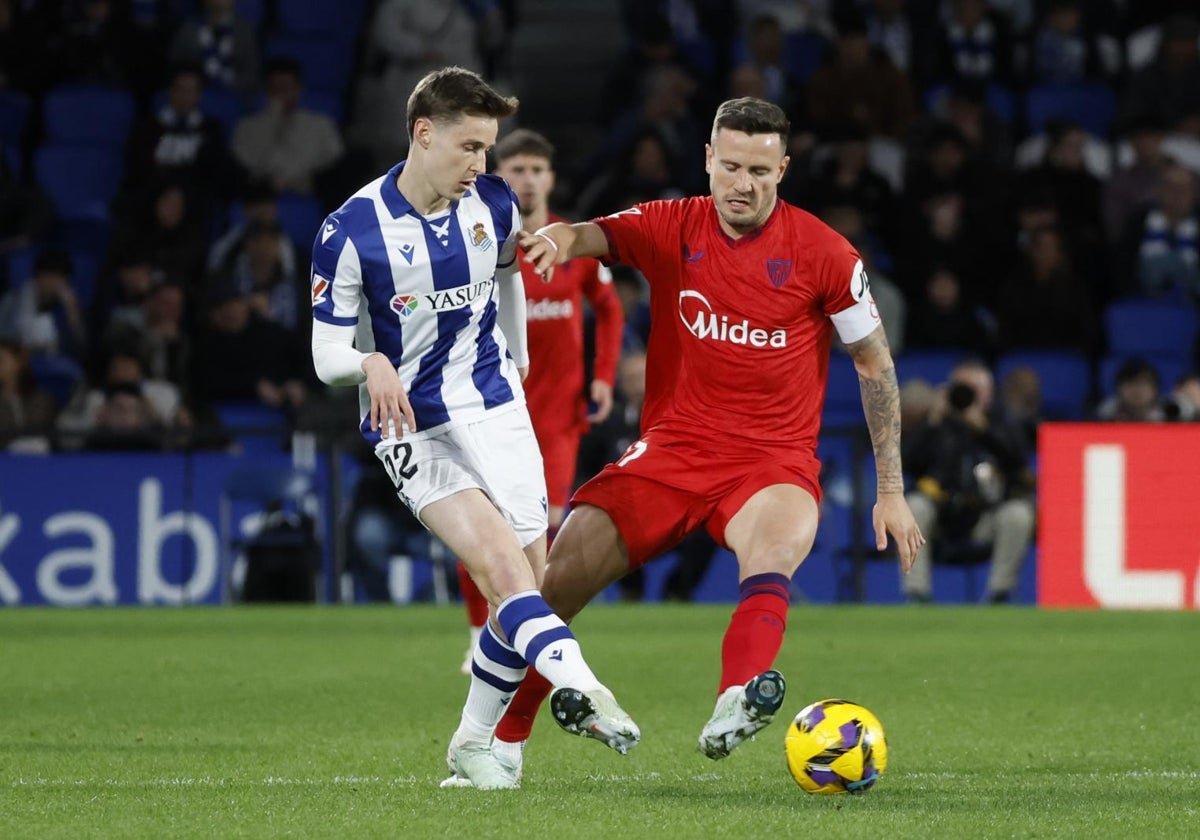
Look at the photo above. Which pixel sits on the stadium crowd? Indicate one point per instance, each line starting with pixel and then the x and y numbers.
pixel 1020 177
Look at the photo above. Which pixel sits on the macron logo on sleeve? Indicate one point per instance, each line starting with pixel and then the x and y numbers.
pixel 329 230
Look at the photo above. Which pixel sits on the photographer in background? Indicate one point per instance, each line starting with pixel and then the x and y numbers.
pixel 972 491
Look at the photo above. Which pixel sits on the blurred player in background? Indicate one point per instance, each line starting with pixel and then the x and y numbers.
pixel 554 390
pixel 430 249
pixel 745 293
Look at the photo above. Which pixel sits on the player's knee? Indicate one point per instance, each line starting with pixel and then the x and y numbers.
pixel 781 556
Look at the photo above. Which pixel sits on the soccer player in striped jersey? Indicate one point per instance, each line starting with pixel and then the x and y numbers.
pixel 555 387
pixel 745 292
pixel 416 298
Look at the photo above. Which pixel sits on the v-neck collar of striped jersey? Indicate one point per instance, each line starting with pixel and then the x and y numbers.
pixel 745 238
pixel 398 205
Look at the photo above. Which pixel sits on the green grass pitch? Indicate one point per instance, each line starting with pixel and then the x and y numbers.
pixel 332 722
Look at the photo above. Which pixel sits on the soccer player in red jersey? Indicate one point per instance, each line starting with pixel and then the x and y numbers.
pixel 554 389
pixel 746 291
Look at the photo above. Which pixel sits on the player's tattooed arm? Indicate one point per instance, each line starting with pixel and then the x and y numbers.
pixel 881 404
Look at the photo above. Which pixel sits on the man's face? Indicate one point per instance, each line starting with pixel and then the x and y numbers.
pixel 184 93
pixel 531 178
pixel 284 88
pixel 744 171
pixel 455 151
pixel 980 381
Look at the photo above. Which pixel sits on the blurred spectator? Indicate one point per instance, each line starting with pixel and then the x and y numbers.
pixel 890 30
pixel 260 205
pixel 1021 402
pixel 1169 89
pixel 123 287
pixel 168 231
pixel 158 334
pixel 124 422
pixel 43 315
pixel 1184 401
pixel 1064 49
pixel 974 42
pixel 917 397
pixel 26 411
pixel 1137 397
pixel 632 289
pixel 240 356
pixel 182 143
pixel 223 45
pixel 285 143
pixel 765 53
pixel 1063 175
pixel 859 84
pixel 1044 303
pixel 971 486
pixel 662 107
pixel 274 288
pixel 702 31
pixel 943 319
pixel 1162 246
pixel 405 40
pixel 125 404
pixel 97 44
pixel 846 178
pixel 643 174
pixel 987 140
pixel 1132 190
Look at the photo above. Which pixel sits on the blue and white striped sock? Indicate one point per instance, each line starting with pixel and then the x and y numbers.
pixel 546 643
pixel 496 672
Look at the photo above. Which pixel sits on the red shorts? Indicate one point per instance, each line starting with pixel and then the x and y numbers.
pixel 664 487
pixel 560 454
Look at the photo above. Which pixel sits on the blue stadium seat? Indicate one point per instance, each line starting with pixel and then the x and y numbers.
pixel 326 63
pixel 312 17
pixel 256 427
pixel 14 116
pixel 93 115
pixel 300 216
pixel 803 53
pixel 1090 105
pixel 933 366
pixel 80 180
pixel 1066 379
pixel 251 11
pixel 1148 327
pixel 20 264
pixel 59 376
pixel 1169 370
pixel 843 399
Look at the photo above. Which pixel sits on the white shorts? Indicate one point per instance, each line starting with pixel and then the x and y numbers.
pixel 498 454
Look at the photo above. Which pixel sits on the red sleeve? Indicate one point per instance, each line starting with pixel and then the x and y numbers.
pixel 841 272
pixel 610 320
pixel 637 236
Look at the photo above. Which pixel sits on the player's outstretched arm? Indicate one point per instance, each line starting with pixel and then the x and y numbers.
pixel 555 244
pixel 881 404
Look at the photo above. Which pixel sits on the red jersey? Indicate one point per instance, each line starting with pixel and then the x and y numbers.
pixel 741 328
pixel 554 311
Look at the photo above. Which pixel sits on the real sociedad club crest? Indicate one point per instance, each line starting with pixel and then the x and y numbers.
pixel 404 305
pixel 479 237
pixel 778 271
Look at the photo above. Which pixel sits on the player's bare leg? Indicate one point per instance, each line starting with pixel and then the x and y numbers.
pixel 477 612
pixel 771 535
pixel 588 554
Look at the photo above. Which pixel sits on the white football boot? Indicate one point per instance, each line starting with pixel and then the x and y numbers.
pixel 595 714
pixel 473 765
pixel 741 711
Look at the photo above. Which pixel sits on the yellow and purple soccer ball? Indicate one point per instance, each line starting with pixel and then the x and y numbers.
pixel 835 746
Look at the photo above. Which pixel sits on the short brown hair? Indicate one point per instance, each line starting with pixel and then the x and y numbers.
pixel 451 92
pixel 752 116
pixel 524 142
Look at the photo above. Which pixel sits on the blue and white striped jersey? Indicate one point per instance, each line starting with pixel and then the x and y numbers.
pixel 422 292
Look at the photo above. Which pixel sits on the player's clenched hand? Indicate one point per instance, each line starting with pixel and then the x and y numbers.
pixel 541 252
pixel 602 395
pixel 389 403
pixel 891 515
